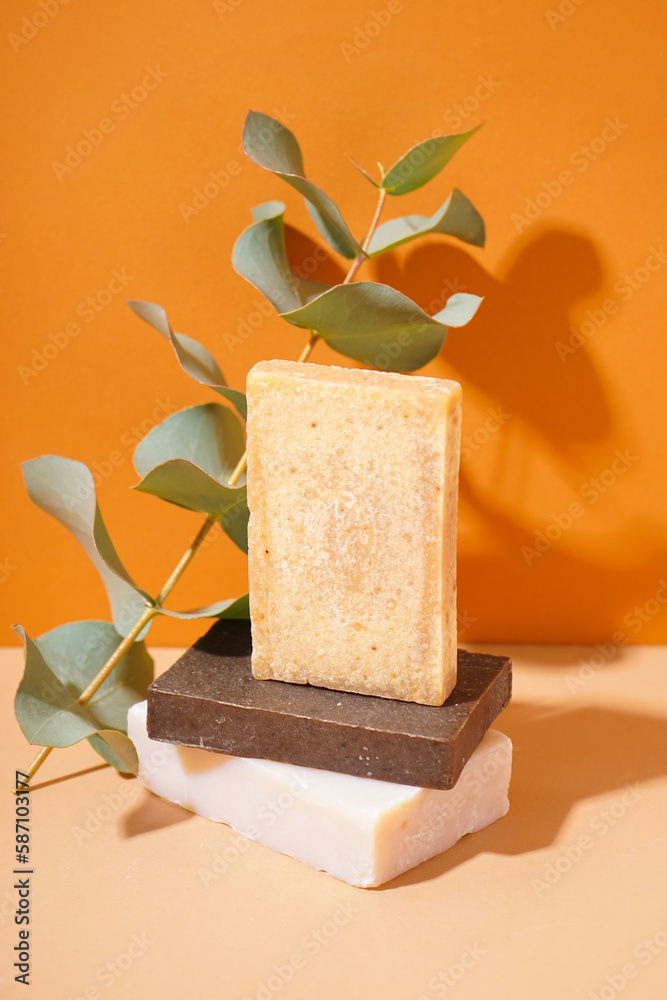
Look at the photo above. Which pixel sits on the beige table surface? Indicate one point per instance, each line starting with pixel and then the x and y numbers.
pixel 566 897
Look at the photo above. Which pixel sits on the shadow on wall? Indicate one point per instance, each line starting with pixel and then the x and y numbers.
pixel 557 427
pixel 561 430
pixel 507 352
pixel 556 432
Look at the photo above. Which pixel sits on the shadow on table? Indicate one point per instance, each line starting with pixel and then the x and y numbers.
pixel 577 662
pixel 561 757
pixel 67 777
pixel 151 813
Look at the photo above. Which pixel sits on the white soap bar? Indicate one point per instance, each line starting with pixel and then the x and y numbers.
pixel 360 830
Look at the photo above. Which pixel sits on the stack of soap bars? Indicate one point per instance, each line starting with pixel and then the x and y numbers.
pixel 341 726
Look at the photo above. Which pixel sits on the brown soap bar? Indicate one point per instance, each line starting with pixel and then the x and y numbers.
pixel 210 699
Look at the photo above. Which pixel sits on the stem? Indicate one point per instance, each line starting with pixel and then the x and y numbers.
pixel 308 349
pixel 356 264
pixel 150 612
pixel 186 558
pixel 35 766
pixel 239 470
pixel 358 261
pixel 376 219
pixel 117 654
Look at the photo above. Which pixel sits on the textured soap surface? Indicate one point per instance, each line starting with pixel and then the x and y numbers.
pixel 362 831
pixel 352 491
pixel 209 698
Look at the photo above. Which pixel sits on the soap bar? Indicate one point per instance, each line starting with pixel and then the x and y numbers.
pixel 209 698
pixel 362 831
pixel 352 491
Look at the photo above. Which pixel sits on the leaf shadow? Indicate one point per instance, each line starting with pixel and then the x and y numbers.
pixel 310 260
pixel 561 757
pixel 508 349
pixel 507 357
pixel 562 427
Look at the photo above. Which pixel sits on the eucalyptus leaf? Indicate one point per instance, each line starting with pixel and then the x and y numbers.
pixel 459 309
pixel 260 257
pixel 267 210
pixel 66 490
pixel 457 217
pixel 192 356
pixel 116 749
pixel 235 607
pixel 381 327
pixel 182 483
pixel 423 162
pixel 188 460
pixel 272 146
pixel 209 435
pixel 59 665
pixel 238 608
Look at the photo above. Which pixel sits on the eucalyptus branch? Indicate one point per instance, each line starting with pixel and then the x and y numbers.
pixel 152 610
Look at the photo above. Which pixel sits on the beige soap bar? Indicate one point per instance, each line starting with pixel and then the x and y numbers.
pixel 352 490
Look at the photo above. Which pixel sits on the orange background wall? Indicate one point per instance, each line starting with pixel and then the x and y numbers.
pixel 547 79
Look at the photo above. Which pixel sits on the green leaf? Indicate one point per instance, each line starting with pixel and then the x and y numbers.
pixel 239 608
pixel 116 749
pixel 381 327
pixel 66 490
pixel 260 257
pixel 272 146
pixel 423 162
pixel 193 358
pixel 209 435
pixel 267 210
pixel 59 665
pixel 182 483
pixel 235 607
pixel 188 459
pixel 459 310
pixel 457 217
